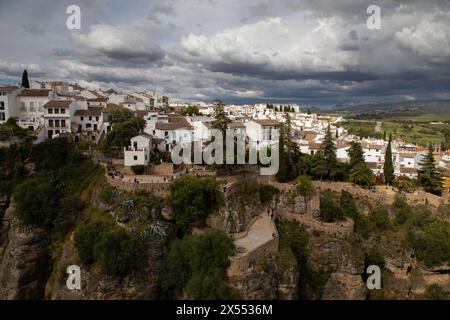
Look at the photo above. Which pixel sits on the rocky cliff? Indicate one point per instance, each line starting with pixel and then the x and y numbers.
pixel 24 259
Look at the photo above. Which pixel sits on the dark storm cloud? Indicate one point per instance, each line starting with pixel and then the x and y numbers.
pixel 307 51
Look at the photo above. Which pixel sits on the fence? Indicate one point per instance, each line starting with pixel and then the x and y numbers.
pixel 159 189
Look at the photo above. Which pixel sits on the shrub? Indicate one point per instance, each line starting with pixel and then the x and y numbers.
pixel 36 202
pixel 87 235
pixel 118 253
pixel 267 192
pixel 329 210
pixel 196 265
pixel 435 292
pixel 138 169
pixel 192 199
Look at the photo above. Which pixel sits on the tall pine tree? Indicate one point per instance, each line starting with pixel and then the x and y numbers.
pixel 430 177
pixel 25 82
pixel 326 165
pixel 388 167
pixel 356 154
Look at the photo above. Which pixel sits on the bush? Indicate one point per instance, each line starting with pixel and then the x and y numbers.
pixel 404 184
pixel 431 243
pixel 36 202
pixel 138 169
pixel 87 235
pixel 267 192
pixel 192 199
pixel 330 211
pixel 196 266
pixel 379 218
pixel 435 292
pixel 118 253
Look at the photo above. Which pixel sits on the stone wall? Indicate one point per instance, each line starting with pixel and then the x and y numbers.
pixel 241 263
pixel 158 189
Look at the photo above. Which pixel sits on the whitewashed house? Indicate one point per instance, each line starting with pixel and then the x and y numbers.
pixel 88 122
pixel 8 95
pixel 260 132
pixel 30 103
pixel 58 114
pixel 138 153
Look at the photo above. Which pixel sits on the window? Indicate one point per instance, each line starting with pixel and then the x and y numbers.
pixel 22 106
pixel 88 125
pixel 49 133
pixel 96 118
pixel 50 111
pixel 56 123
pixel 2 105
pixel 135 158
pixel 90 118
pixel 41 108
pixel 95 127
pixel 63 123
pixel 2 116
pixel 50 123
pixel 81 118
pixel 32 106
pixel 63 111
pixel 56 111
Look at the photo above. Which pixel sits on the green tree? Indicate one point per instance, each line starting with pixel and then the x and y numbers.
pixel 25 82
pixel 125 125
pixel 190 111
pixel 356 154
pixel 330 211
pixel 291 162
pixel 192 199
pixel 388 167
pixel 326 165
pixel 221 121
pixel 362 175
pixel 196 266
pixel 430 177
pixel 305 188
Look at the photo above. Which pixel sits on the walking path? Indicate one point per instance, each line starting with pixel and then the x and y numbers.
pixel 261 231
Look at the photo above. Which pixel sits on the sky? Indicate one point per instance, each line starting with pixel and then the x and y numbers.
pixel 313 52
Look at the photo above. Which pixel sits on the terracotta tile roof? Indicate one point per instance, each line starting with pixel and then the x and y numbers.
pixel 91 111
pixel 7 89
pixel 235 125
pixel 267 122
pixel 110 107
pixel 58 104
pixel 35 93
pixel 372 165
pixel 408 170
pixel 314 145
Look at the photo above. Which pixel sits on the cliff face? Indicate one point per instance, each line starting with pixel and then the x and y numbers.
pixel 24 259
pixel 96 285
pixel 273 278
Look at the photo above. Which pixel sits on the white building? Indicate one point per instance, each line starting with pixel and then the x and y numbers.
pixel 30 104
pixel 138 153
pixel 260 132
pixel 88 121
pixel 8 96
pixel 58 114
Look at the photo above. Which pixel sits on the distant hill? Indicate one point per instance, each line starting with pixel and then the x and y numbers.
pixel 409 108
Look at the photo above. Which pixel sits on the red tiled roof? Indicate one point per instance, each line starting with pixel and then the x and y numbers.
pixel 35 93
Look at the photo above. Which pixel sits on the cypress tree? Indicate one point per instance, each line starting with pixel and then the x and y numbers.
pixel 25 82
pixel 388 167
pixel 430 177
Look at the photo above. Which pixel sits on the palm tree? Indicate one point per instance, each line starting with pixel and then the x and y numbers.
pixel 362 175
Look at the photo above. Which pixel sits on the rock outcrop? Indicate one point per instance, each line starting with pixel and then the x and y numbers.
pixel 24 259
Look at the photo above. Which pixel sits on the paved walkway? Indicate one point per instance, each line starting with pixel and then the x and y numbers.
pixel 260 232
